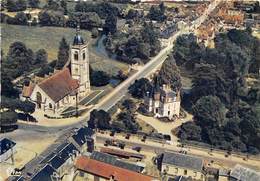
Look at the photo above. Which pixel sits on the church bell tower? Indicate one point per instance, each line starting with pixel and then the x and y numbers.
pixel 79 58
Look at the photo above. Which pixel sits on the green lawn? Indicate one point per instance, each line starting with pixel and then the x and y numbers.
pixel 36 38
pixel 48 38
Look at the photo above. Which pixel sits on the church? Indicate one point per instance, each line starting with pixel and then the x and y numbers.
pixel 64 87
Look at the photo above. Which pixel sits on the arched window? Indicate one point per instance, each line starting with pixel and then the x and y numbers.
pixel 76 56
pixel 84 55
pixel 50 105
pixel 39 99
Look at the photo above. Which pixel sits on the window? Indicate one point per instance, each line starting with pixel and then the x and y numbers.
pixel 76 70
pixel 156 110
pixel 76 56
pixel 185 172
pixel 50 105
pixel 169 112
pixel 84 55
pixel 176 170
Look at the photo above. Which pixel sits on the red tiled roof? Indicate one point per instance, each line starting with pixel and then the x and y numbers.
pixel 107 171
pixel 27 90
pixel 59 85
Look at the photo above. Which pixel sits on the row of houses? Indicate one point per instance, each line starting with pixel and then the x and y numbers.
pixel 58 163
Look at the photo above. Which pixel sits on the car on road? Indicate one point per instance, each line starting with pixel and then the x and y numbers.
pixel 137 148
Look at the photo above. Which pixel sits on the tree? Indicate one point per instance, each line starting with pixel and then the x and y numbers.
pixel 16 5
pixel 140 88
pixel 99 119
pixel 8 121
pixel 128 119
pixel 34 3
pixel 51 18
pixel 189 131
pixel 170 74
pixel 99 78
pixel 157 13
pixel 63 54
pixel 41 57
pixel 7 87
pixel 129 105
pixel 21 18
pixel 63 4
pixel 110 24
pixel 18 60
pixel 209 112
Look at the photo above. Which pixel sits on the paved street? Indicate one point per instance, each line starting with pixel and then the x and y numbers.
pixel 156 147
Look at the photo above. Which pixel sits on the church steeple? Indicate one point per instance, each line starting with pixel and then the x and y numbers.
pixel 78 40
pixel 79 58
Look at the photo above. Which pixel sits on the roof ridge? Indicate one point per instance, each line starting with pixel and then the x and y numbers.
pixel 54 75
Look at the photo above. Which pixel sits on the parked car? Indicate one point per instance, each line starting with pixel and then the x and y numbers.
pixel 137 148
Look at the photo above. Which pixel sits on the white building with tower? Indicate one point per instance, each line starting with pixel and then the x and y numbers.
pixel 63 87
pixel 163 102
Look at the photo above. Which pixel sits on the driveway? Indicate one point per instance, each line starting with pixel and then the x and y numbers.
pixel 162 127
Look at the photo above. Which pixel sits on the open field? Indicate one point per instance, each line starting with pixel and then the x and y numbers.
pixel 48 38
pixel 36 38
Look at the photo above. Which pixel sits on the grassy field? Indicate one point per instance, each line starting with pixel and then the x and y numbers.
pixel 36 38
pixel 48 38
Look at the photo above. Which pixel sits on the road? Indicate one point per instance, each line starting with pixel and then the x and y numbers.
pixel 156 147
pixel 114 96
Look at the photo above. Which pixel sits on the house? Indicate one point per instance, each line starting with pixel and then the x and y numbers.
pixel 163 102
pixel 7 149
pixel 83 139
pixel 65 86
pixel 176 164
pixel 47 173
pixel 62 159
pixel 96 170
pixel 112 160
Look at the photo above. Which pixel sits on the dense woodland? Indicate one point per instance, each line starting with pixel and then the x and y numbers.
pixel 226 109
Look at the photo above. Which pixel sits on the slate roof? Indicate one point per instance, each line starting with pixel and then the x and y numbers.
pixel 112 160
pixel 183 161
pixel 45 174
pixel 107 171
pixel 82 134
pixel 60 155
pixel 59 85
pixel 244 174
pixel 5 145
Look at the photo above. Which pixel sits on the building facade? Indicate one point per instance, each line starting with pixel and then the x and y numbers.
pixel 64 87
pixel 163 102
pixel 176 164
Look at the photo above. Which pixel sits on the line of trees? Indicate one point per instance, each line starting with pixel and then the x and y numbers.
pixel 225 108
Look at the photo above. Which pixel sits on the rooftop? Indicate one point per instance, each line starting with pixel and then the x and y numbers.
pixel 183 161
pixel 244 174
pixel 82 134
pixel 6 145
pixel 106 158
pixel 46 174
pixel 107 171
pixel 59 85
